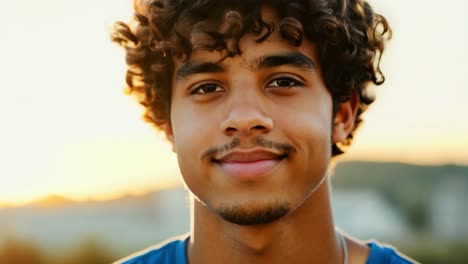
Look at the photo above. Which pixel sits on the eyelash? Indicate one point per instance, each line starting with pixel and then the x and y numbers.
pixel 198 89
pixel 294 82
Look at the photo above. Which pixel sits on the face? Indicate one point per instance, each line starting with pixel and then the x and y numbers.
pixel 252 133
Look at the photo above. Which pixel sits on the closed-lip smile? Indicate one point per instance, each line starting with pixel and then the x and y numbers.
pixel 249 164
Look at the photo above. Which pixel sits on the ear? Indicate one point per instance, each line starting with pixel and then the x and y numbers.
pixel 343 122
pixel 167 129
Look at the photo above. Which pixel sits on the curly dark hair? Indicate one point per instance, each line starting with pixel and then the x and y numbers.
pixel 350 39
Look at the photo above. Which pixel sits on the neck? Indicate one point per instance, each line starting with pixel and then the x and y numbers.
pixel 306 235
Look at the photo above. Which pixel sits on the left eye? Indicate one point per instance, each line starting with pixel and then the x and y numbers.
pixel 284 82
pixel 206 88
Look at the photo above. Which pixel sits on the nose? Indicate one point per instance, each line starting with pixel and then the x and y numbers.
pixel 246 116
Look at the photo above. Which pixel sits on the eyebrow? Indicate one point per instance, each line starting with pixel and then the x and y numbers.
pixel 191 68
pixel 295 59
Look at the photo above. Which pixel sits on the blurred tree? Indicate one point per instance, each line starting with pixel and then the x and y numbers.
pixel 14 250
pixel 90 251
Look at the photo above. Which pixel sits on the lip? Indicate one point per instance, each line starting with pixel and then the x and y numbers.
pixel 249 164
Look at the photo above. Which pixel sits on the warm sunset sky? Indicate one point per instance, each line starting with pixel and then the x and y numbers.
pixel 66 127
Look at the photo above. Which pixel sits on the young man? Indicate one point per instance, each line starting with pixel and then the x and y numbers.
pixel 256 98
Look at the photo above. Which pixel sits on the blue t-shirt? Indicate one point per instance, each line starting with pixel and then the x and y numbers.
pixel 173 252
pixel 380 254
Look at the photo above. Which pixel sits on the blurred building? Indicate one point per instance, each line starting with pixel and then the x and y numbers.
pixel 366 214
pixel 125 224
pixel 448 208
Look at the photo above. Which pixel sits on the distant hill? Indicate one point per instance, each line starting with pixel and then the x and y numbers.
pixel 391 176
pixel 411 187
pixel 52 201
pixel 125 224
pixel 348 172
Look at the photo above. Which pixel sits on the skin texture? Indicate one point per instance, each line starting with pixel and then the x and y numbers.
pixel 279 214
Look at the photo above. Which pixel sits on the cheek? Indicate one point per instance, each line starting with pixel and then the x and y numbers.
pixel 307 125
pixel 193 134
pixel 311 137
pixel 189 126
pixel 307 119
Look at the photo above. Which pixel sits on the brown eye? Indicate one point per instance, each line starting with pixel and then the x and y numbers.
pixel 284 82
pixel 207 88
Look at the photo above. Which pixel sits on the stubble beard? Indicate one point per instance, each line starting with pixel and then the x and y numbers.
pixel 253 214
pixel 257 213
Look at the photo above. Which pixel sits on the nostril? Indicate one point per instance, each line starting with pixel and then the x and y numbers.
pixel 230 129
pixel 258 127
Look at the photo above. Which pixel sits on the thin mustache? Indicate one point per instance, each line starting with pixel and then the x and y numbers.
pixel 260 142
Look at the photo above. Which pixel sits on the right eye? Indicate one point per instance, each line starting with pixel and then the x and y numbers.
pixel 206 88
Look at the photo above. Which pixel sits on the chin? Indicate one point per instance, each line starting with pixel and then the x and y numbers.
pixel 253 213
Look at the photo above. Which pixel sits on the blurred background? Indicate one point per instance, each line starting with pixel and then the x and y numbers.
pixel 84 180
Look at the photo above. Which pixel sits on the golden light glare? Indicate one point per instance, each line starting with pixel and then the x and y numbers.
pixel 68 129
